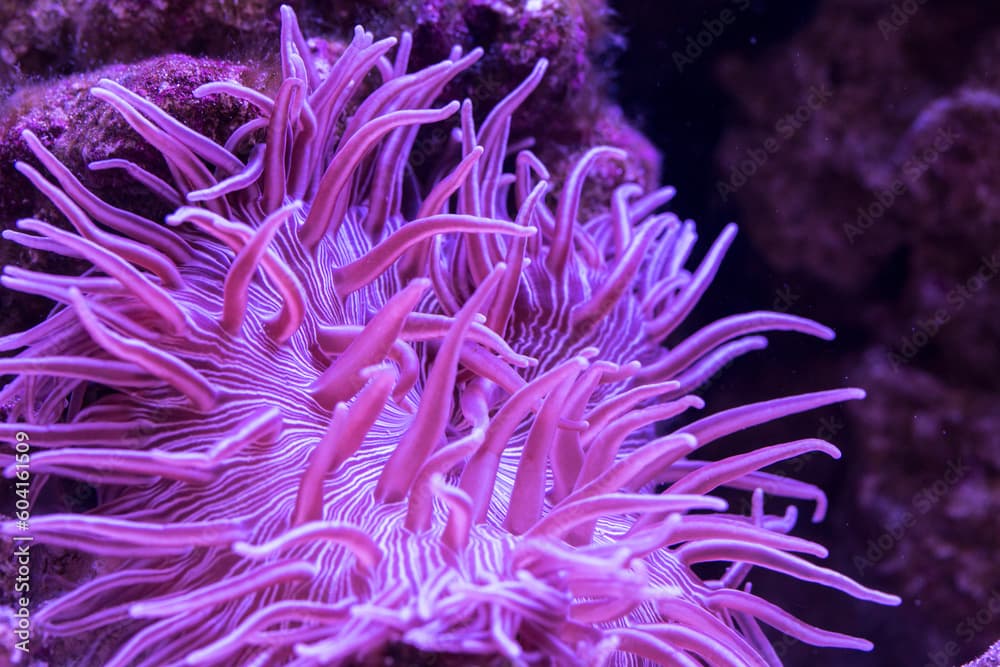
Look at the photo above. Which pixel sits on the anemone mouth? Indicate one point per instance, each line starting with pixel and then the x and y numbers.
pixel 342 413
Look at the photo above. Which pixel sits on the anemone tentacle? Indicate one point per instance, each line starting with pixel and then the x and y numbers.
pixel 339 412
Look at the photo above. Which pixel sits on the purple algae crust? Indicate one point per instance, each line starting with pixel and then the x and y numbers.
pixel 333 409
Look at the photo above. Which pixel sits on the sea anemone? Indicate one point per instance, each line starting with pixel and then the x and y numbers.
pixel 332 407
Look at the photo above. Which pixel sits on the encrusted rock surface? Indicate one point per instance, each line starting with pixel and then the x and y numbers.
pixel 54 37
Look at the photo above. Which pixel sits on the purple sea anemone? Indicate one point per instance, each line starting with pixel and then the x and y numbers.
pixel 333 407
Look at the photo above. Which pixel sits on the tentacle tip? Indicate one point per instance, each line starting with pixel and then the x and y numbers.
pixel 889 600
pixel 138 611
pixel 690 440
pixel 180 216
pixel 819 514
pixel 36 147
pixel 617 153
pixel 241 548
pixel 368 372
pixel 103 88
